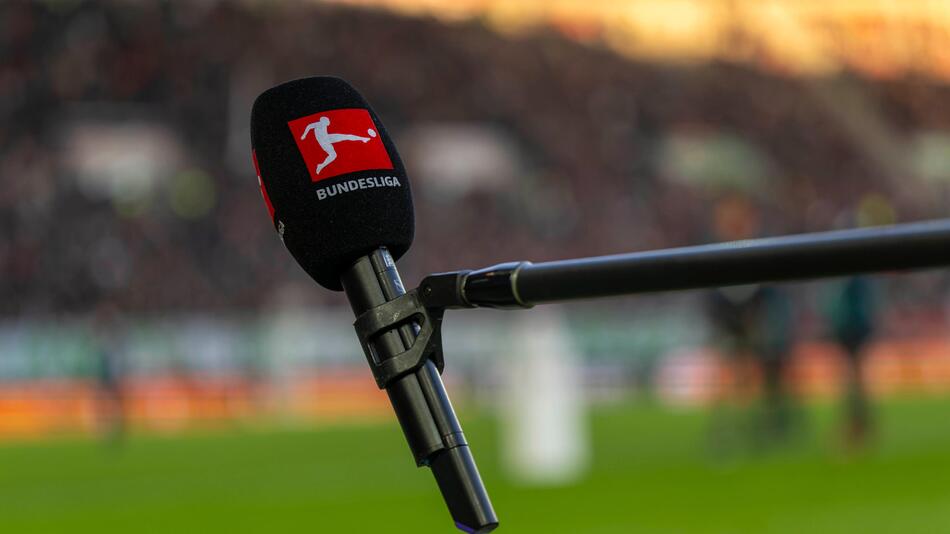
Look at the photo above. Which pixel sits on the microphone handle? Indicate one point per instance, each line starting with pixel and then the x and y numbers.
pixel 419 399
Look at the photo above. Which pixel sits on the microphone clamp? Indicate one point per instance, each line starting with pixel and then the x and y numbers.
pixel 406 309
pixel 424 307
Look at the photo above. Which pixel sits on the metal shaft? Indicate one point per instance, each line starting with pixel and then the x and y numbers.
pixel 797 257
pixel 420 401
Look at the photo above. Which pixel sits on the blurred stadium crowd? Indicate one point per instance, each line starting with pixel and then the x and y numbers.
pixel 140 278
pixel 143 287
pixel 126 174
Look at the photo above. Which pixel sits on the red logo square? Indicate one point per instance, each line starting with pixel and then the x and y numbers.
pixel 339 142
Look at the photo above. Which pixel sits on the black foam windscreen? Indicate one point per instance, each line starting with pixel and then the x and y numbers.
pixel 330 175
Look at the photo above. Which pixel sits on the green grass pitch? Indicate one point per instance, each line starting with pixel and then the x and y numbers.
pixel 651 473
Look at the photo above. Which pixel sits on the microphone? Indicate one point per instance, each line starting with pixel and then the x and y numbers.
pixel 339 197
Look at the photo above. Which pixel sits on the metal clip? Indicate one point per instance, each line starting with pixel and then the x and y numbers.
pixel 404 309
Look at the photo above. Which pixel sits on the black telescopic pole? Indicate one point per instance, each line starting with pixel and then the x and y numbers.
pixel 797 257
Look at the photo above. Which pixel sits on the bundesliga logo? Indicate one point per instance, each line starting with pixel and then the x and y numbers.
pixel 339 142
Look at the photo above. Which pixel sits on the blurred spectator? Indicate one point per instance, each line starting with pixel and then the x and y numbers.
pixel 109 370
pixel 852 317
pixel 754 326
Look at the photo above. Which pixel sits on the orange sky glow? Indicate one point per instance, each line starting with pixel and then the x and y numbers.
pixel 878 38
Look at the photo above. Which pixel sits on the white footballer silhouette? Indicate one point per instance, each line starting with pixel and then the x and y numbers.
pixel 326 139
